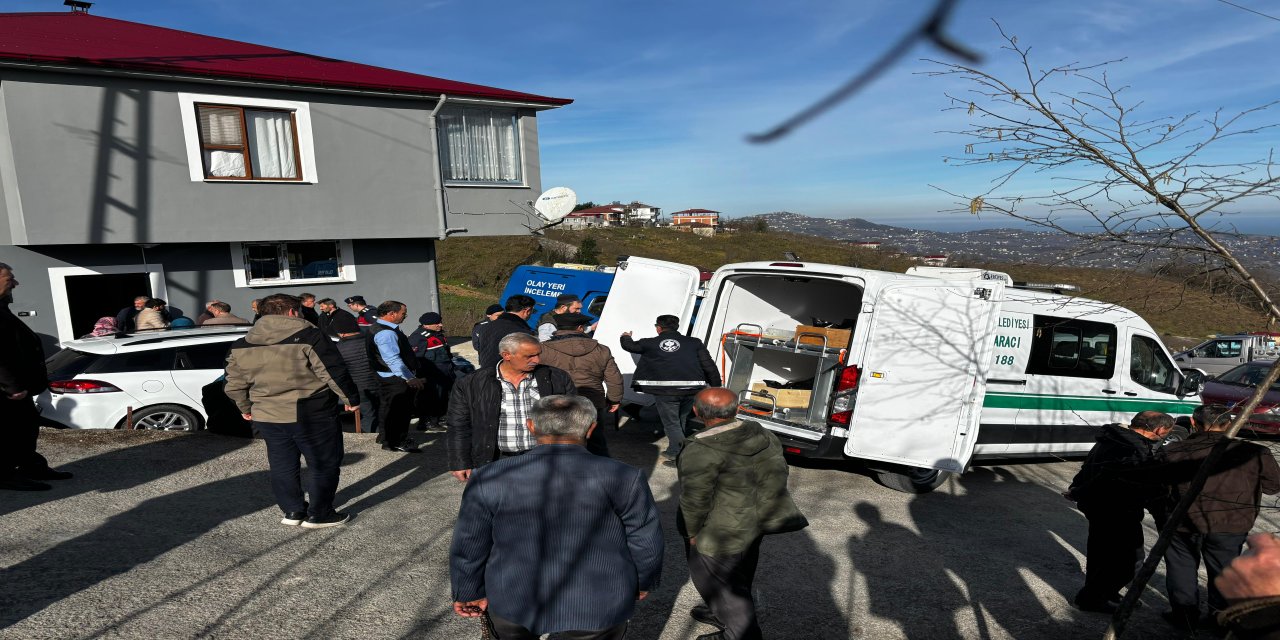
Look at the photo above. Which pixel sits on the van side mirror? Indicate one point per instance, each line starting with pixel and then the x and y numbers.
pixel 1192 383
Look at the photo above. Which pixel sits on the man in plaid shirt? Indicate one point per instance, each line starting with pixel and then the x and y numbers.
pixel 489 408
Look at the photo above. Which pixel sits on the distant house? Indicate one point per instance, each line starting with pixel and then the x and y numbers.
pixel 609 215
pixel 867 245
pixel 643 214
pixel 141 160
pixel 934 261
pixel 696 216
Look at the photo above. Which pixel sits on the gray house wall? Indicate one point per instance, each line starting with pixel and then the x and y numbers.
pixel 102 159
pixel 194 273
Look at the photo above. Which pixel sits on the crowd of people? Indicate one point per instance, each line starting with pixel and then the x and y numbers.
pixel 554 536
pixel 1136 469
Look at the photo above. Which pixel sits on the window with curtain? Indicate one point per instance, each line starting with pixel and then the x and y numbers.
pixel 240 143
pixel 480 145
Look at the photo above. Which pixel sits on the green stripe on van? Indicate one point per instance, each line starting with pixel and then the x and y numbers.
pixel 1084 403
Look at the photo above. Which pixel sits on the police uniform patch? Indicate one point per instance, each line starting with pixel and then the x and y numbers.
pixel 669 345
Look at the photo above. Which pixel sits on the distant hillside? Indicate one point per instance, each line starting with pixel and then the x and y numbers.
pixel 1007 245
pixel 474 270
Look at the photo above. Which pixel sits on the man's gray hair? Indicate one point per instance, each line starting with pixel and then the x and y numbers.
pixel 5 267
pixel 562 415
pixel 710 410
pixel 512 341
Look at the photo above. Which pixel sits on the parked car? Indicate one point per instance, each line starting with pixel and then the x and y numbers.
pixel 1235 386
pixel 95 381
pixel 1224 352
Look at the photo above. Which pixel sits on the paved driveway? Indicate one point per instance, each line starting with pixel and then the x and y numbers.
pixel 176 536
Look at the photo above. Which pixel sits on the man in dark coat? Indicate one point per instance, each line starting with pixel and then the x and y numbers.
pixel 366 316
pixel 308 309
pixel 1110 490
pixel 351 344
pixel 488 408
pixel 490 314
pixel 514 320
pixel 435 367
pixel 22 378
pixel 556 540
pixel 125 318
pixel 672 369
pixel 1222 514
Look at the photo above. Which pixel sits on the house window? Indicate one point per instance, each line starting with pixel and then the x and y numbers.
pixel 480 146
pixel 1072 348
pixel 276 263
pixel 237 143
pixel 231 138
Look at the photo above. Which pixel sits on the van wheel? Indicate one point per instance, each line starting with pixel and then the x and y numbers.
pixel 911 479
pixel 164 417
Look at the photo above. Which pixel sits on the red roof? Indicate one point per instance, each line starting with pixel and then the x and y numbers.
pixel 694 212
pixel 610 208
pixel 85 40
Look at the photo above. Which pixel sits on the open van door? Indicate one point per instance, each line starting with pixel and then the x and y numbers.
pixel 642 290
pixel 924 372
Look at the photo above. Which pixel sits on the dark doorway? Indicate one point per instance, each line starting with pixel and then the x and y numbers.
pixel 92 297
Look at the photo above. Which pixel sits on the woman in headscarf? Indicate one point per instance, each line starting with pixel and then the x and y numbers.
pixel 105 326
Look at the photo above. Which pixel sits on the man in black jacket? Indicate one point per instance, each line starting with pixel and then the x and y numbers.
pixel 22 378
pixel 435 367
pixel 351 344
pixel 672 368
pixel 1110 491
pixel 489 408
pixel 514 320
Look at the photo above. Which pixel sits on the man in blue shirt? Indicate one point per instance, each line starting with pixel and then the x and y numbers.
pixel 390 355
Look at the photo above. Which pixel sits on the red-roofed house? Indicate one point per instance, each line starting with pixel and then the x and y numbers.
pixel 603 216
pixel 696 216
pixel 142 160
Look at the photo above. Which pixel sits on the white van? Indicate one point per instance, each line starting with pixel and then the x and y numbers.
pixel 938 365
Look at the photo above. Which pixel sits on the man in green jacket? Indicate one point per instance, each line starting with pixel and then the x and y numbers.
pixel 733 481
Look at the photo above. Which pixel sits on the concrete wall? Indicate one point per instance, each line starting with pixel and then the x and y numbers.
pixel 197 272
pixel 100 159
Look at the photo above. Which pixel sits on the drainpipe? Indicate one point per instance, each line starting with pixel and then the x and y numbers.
pixel 441 201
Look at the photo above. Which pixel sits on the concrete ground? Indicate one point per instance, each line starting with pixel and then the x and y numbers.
pixel 170 535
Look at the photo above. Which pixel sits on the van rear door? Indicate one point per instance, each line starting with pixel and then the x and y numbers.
pixel 642 290
pixel 924 373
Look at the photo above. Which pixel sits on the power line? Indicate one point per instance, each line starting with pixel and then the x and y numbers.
pixel 1249 10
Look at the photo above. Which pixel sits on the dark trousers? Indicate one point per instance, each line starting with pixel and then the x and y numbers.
pixel 724 582
pixel 596 441
pixel 370 402
pixel 1182 564
pixel 507 630
pixel 395 411
pixel 19 429
pixel 432 401
pixel 674 411
pixel 1113 553
pixel 319 442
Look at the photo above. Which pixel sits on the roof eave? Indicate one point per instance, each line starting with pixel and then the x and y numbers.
pixel 33 62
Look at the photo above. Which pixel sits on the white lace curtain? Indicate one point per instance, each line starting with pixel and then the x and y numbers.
pixel 271 150
pixel 479 145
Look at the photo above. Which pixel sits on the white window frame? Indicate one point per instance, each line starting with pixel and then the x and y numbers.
pixel 62 306
pixel 441 144
pixel 240 272
pixel 191 134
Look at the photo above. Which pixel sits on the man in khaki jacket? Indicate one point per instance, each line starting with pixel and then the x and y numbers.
pixel 288 378
pixel 592 368
pixel 733 492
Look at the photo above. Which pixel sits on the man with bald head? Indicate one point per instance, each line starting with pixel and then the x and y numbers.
pixel 1111 492
pixel 733 492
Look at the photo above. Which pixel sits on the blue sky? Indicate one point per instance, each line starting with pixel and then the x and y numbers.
pixel 665 92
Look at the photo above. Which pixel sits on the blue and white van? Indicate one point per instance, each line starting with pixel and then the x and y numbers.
pixel 545 284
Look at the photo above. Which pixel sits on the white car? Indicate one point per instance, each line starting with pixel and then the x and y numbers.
pixel 95 382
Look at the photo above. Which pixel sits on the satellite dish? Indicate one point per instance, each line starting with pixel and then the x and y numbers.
pixel 556 203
